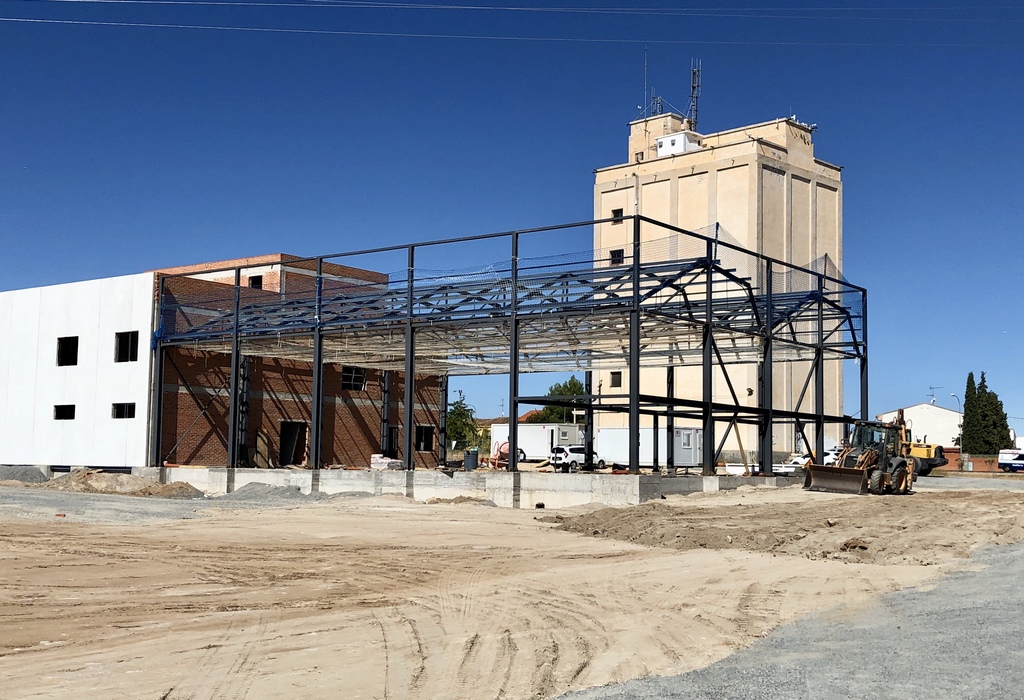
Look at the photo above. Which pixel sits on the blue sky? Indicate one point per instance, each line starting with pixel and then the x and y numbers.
pixel 125 148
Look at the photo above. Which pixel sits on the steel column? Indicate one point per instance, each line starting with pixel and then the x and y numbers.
pixel 634 356
pixel 708 466
pixel 409 439
pixel 316 428
pixel 864 357
pixel 657 465
pixel 157 406
pixel 513 360
pixel 670 428
pixel 766 389
pixel 819 378
pixel 588 420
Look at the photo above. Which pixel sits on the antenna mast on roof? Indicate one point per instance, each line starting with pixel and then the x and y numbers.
pixel 694 91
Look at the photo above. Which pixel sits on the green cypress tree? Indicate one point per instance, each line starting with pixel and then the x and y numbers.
pixel 972 419
pixel 995 429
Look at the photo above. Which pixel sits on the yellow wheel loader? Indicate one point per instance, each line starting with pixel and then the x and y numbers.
pixel 877 460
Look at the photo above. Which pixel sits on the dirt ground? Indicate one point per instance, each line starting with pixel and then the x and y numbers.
pixel 390 598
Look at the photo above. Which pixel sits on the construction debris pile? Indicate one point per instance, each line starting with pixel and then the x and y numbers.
pixel 95 481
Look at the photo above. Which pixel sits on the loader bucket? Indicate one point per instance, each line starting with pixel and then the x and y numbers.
pixel 835 479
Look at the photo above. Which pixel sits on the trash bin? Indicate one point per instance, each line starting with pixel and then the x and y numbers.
pixel 471 459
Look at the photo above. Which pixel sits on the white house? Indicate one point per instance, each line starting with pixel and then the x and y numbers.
pixel 76 373
pixel 929 423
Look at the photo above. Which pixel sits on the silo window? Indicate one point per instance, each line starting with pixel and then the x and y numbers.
pixel 617 216
pixel 618 256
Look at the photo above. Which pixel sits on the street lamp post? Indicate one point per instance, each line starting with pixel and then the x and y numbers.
pixel 958 410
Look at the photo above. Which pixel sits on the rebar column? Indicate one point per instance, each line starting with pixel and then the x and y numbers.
pixel 442 422
pixel 233 398
pixel 386 448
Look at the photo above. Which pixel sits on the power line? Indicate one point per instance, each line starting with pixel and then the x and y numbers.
pixel 487 37
pixel 712 12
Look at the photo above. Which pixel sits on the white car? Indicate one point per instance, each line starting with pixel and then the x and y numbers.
pixel 573 457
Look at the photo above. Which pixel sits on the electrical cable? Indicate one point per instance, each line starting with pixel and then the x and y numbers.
pixel 486 37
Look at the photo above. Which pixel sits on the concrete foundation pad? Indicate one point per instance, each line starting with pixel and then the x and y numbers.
pixel 505 489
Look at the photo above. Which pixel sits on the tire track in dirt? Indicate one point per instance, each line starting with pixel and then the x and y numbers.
pixel 404 653
pixel 227 669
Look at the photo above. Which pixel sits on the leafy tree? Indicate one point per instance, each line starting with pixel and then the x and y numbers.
pixel 462 427
pixel 986 428
pixel 560 414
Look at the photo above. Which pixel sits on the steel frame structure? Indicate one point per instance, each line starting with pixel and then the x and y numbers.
pixel 674 298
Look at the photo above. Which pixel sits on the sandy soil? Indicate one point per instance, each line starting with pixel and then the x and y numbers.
pixel 389 598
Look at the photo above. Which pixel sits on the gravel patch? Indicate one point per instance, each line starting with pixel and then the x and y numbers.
pixel 267 494
pixel 959 639
pixel 27 475
pixel 959 483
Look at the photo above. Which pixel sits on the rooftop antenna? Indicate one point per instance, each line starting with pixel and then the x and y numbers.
pixel 694 92
pixel 932 389
pixel 657 104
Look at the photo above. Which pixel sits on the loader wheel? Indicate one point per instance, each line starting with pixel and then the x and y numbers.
pixel 900 481
pixel 875 482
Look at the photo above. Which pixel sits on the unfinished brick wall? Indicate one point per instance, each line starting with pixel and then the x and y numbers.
pixel 281 390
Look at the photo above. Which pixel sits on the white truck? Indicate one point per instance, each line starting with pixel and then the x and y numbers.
pixel 535 440
pixel 613 446
pixel 1011 460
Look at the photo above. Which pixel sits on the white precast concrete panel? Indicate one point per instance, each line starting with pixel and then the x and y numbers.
pixel 94 312
pixel 21 337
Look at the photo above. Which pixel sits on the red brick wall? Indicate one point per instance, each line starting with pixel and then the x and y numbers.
pixel 280 390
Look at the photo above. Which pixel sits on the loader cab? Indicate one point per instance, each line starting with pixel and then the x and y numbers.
pixel 869 435
pixel 878 436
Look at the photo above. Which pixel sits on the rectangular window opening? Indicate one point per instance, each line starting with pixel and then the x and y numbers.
pixel 353 378
pixel 616 379
pixel 618 256
pixel 255 281
pixel 424 438
pixel 64 412
pixel 122 410
pixel 294 443
pixel 617 216
pixel 126 346
pixel 67 351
